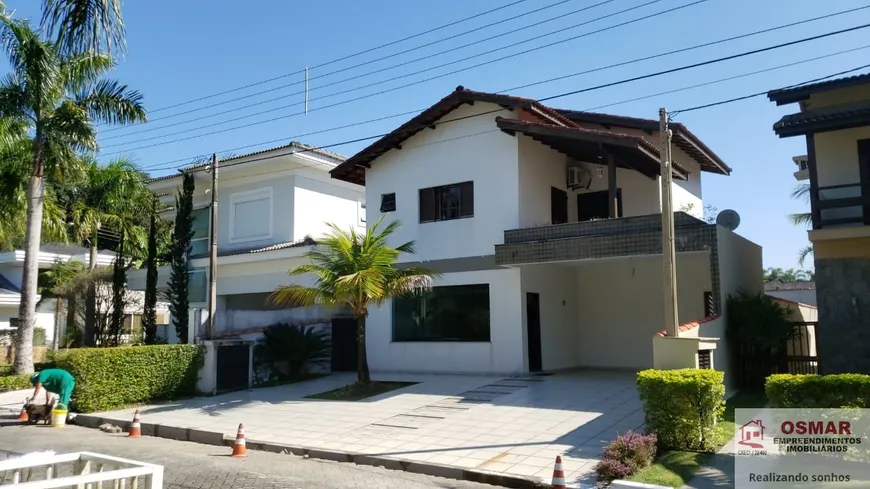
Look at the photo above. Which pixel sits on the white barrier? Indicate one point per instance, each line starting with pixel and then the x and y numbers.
pixel 86 471
pixel 621 484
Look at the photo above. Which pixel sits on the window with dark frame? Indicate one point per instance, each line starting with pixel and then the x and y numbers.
pixel 448 313
pixel 388 202
pixel 705 359
pixel 709 306
pixel 447 202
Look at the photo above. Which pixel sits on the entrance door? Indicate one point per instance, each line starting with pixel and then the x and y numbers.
pixel 533 330
pixel 344 345
pixel 864 175
pixel 594 205
pixel 558 206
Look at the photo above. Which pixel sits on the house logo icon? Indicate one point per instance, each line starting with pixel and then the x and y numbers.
pixel 752 430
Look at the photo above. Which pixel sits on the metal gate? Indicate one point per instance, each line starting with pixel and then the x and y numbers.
pixel 344 345
pixel 233 366
pixel 797 356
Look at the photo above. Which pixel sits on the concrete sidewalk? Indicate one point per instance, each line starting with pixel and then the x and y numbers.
pixel 466 426
pixel 718 473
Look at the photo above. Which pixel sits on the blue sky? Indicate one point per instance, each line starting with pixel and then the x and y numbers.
pixel 179 51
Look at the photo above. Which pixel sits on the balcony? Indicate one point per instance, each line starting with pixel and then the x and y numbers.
pixel 843 205
pixel 604 238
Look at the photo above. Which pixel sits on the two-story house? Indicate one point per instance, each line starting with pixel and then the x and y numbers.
pixel 273 205
pixel 545 226
pixel 834 119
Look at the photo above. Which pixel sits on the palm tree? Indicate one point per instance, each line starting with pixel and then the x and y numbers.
pixel 85 25
pixel 59 98
pixel 802 191
pixel 51 282
pixel 355 270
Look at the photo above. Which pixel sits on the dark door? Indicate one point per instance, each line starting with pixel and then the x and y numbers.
pixel 558 206
pixel 594 205
pixel 533 330
pixel 344 349
pixel 864 174
pixel 233 367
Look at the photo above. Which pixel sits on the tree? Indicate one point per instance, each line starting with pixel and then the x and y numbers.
pixel 59 97
pixel 787 276
pixel 52 280
pixel 85 25
pixel 149 310
pixel 119 294
pixel 178 278
pixel 355 270
pixel 802 191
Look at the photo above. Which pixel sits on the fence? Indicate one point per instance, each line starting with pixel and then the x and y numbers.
pixel 797 356
pixel 81 470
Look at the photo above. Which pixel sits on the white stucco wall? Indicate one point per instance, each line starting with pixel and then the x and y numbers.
pixel 802 296
pixel 503 354
pixel 620 306
pixel 281 211
pixel 316 203
pixel 465 150
pixel 739 268
pixel 557 287
pixel 44 318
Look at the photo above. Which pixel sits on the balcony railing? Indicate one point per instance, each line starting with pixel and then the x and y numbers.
pixel 842 205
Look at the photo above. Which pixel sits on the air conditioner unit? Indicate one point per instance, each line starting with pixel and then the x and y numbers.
pixel 577 177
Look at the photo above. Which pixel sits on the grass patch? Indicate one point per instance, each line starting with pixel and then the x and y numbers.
pixel 675 468
pixel 672 469
pixel 358 392
pixel 277 382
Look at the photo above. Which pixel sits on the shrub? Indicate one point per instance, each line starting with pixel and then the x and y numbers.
pixel 682 406
pixel 818 391
pixel 38 336
pixel 15 382
pixel 5 370
pixel 290 349
pixel 626 455
pixel 111 378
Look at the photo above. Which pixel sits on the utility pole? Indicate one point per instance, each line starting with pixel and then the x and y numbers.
pixel 669 252
pixel 212 259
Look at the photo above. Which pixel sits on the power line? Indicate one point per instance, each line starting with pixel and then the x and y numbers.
pixel 673 70
pixel 381 92
pixel 163 165
pixel 437 41
pixel 343 58
pixel 398 77
pixel 735 77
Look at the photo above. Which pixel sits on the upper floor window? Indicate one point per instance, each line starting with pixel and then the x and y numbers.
pixel 447 202
pixel 199 242
pixel 388 202
pixel 251 215
pixel 361 213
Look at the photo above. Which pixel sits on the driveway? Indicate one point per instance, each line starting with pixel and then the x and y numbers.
pixel 512 426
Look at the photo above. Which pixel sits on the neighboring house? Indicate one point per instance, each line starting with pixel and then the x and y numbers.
pixel 803 172
pixel 803 292
pixel 12 271
pixel 834 119
pixel 545 226
pixel 272 206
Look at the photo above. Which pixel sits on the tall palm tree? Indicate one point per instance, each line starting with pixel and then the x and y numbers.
pixel 59 97
pixel 79 26
pixel 355 270
pixel 802 191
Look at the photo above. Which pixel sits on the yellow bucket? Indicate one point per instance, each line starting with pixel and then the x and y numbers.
pixel 58 418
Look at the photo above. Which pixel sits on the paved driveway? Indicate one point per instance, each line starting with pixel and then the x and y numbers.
pixel 514 426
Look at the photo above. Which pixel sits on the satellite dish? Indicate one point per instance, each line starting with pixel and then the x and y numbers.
pixel 728 219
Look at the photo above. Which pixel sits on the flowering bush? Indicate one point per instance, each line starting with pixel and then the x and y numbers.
pixel 626 455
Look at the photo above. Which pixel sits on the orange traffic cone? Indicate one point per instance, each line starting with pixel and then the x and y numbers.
pixel 239 447
pixel 22 416
pixel 558 475
pixel 135 430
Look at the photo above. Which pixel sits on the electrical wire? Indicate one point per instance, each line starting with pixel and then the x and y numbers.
pixel 343 58
pixel 619 82
pixel 398 77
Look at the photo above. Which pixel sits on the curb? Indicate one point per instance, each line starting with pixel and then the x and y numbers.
pixel 217 439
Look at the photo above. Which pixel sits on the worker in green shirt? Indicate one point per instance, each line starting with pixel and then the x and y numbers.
pixel 54 381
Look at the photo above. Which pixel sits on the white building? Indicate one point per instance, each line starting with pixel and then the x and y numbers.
pixel 545 227
pixel 12 272
pixel 272 207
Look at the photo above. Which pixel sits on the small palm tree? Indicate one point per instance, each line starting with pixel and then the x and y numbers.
pixel 59 98
pixel 356 270
pixel 802 191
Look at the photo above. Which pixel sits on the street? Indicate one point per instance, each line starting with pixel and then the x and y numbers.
pixel 194 466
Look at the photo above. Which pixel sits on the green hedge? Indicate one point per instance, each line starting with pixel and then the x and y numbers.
pixel 818 391
pixel 112 378
pixel 15 382
pixel 682 406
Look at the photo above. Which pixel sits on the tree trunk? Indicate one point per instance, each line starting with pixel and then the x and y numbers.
pixel 362 366
pixel 32 237
pixel 90 336
pixel 71 317
pixel 58 309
